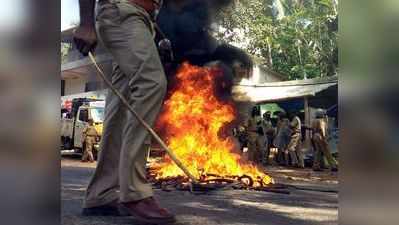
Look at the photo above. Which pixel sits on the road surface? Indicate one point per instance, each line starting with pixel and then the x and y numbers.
pixel 232 207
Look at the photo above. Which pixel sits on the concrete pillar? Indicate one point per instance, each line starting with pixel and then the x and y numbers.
pixel 307 144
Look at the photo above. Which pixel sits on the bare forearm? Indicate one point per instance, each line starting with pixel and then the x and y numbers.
pixel 86 8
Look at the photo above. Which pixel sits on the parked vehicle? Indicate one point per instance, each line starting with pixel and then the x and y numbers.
pixel 73 122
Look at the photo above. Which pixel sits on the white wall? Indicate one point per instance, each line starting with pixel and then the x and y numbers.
pixel 75 86
pixel 261 75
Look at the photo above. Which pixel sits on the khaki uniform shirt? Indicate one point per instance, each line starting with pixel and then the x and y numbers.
pixel 90 131
pixel 320 126
pixel 267 126
pixel 283 134
pixel 295 125
pixel 251 125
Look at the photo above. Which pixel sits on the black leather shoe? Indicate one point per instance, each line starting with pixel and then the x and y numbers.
pixel 112 209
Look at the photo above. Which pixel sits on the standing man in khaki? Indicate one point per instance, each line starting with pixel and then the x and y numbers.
pixel 126 29
pixel 269 131
pixel 319 139
pixel 282 138
pixel 254 144
pixel 294 147
pixel 89 136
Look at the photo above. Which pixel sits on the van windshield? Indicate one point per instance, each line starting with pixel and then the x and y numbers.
pixel 97 114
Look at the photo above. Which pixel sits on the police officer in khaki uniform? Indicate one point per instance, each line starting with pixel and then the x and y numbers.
pixel 254 143
pixel 294 147
pixel 89 137
pixel 269 132
pixel 127 30
pixel 282 138
pixel 319 139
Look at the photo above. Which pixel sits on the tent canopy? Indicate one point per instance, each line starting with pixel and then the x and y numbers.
pixel 322 92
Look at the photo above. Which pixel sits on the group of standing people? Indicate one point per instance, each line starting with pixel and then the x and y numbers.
pixel 288 140
pixel 259 134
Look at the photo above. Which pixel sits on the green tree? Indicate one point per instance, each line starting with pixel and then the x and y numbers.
pixel 66 47
pixel 64 51
pixel 294 37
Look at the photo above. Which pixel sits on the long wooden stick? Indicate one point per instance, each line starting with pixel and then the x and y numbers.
pixel 146 126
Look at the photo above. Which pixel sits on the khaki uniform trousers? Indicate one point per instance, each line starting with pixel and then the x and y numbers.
pixel 294 150
pixel 262 139
pixel 88 151
pixel 321 147
pixel 126 31
pixel 254 147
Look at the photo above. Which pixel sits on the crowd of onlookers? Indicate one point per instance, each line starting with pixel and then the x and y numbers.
pixel 277 139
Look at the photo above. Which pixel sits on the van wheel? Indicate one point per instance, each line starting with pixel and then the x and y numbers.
pixel 95 155
pixel 68 143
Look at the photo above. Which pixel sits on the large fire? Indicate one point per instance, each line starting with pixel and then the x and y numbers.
pixel 191 121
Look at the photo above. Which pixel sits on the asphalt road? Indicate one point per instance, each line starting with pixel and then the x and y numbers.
pixel 232 207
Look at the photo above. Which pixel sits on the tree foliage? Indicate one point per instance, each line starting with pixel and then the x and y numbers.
pixel 294 37
pixel 65 47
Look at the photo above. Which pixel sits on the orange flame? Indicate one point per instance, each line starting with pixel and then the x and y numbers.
pixel 191 119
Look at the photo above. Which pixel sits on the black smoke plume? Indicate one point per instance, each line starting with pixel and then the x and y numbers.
pixel 187 24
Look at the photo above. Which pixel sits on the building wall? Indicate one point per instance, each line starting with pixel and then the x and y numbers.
pixel 75 86
pixel 262 75
pixel 89 81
